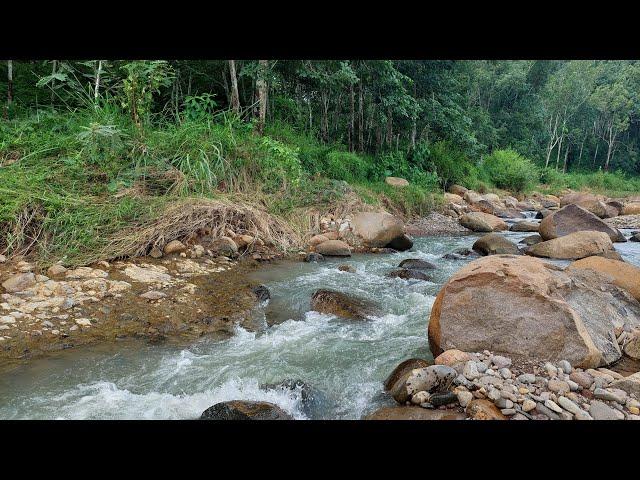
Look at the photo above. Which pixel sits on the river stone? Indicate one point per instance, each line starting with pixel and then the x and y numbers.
pixel 432 379
pixel 341 305
pixel 414 413
pixel 581 378
pixel 19 282
pixel 458 190
pixel 522 305
pixel 573 218
pixel 573 246
pixel 630 384
pixel 347 268
pixel 558 386
pixel 261 292
pixel 403 370
pixel 623 274
pixel 565 366
pixel 416 264
pixel 452 357
pixel 632 346
pixel 601 411
pixel 317 240
pixel 610 396
pixel 525 226
pixel 461 254
pixel 224 246
pixel 313 257
pixel 55 270
pixel 408 274
pixel 482 222
pixel 245 410
pixel 440 399
pixel 495 244
pixel 480 409
pixel 377 229
pixel 635 237
pixel 401 243
pixel 174 246
pixel 334 248
pixel 531 240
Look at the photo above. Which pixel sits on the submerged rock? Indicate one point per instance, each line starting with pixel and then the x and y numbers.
pixel 347 268
pixel 401 243
pixel 313 257
pixel 408 274
pixel 461 254
pixel 262 292
pixel 416 264
pixel 524 306
pixel 495 244
pixel 245 410
pixel 341 305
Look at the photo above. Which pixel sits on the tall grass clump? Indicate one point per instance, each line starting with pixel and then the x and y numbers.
pixel 509 170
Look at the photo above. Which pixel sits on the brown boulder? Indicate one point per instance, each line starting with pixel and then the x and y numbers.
pixel 480 409
pixel 457 190
pixel 19 282
pixel 317 240
pixel 632 208
pixel 224 246
pixel 341 305
pixel 573 246
pixel 524 306
pixel 174 246
pixel 334 248
pixel 453 198
pixel 377 229
pixel 525 227
pixel 414 413
pixel 482 222
pixel 574 218
pixel 452 357
pixel 495 244
pixel 623 274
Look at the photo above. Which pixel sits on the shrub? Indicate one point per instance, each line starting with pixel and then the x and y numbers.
pixel 448 162
pixel 509 170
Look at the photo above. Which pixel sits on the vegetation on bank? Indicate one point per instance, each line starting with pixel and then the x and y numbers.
pixel 112 154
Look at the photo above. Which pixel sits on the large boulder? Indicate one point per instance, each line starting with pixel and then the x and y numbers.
pixel 623 274
pixel 224 246
pixel 453 198
pixel 523 306
pixel 244 410
pixel 401 243
pixel 414 413
pixel 341 305
pixel 576 198
pixel 574 246
pixel 574 218
pixel 482 222
pixel 495 244
pixel 408 274
pixel 377 229
pixel 632 208
pixel 416 264
pixel 525 227
pixel 396 182
pixel 333 248
pixel 458 190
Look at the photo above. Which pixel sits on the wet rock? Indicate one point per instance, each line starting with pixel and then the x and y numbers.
pixel 313 257
pixel 531 240
pixel 461 254
pixel 377 229
pixel 635 237
pixel 261 292
pixel 403 370
pixel 524 226
pixel 334 248
pixel 314 401
pixel 623 274
pixel 174 246
pixel 416 264
pixel 401 243
pixel 482 222
pixel 408 274
pixel 495 244
pixel 480 409
pixel 347 268
pixel 573 246
pixel 573 218
pixel 19 282
pixel 341 305
pixel 414 413
pixel 475 311
pixel 245 410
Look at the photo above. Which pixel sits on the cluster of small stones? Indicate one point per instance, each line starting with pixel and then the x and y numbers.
pixel 541 390
pixel 52 304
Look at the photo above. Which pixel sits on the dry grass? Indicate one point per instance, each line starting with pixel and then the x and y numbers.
pixel 186 218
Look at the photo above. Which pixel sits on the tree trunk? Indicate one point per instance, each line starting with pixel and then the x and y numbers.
pixel 566 155
pixel 9 82
pixel 54 67
pixel 96 90
pixel 235 97
pixel 389 127
pixel 352 119
pixel 261 88
pixel 360 119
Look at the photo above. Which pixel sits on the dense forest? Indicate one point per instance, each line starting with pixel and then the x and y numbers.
pixel 126 132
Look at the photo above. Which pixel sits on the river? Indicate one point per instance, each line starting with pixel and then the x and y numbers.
pixel 344 362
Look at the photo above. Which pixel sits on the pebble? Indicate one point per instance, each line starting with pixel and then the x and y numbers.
pixel 83 322
pixel 499 361
pixel 540 407
pixel 436 378
pixel 553 406
pixel 420 397
pixel 464 398
pixel 565 366
pixel 503 403
pixel 471 370
pixel 551 369
pixel 519 416
pixel 527 378
pixel 602 394
pixel 573 385
pixel 601 411
pixel 581 378
pixel 508 411
pixel 482 367
pixel 528 405
pixel 439 399
pixel 558 386
pixel 505 373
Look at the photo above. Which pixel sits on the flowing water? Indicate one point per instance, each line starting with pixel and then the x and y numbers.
pixel 344 362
